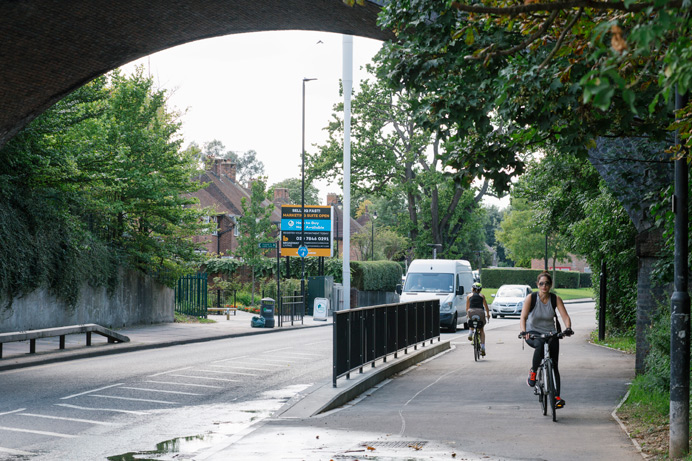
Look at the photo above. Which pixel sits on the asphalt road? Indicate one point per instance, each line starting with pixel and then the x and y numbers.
pixel 104 406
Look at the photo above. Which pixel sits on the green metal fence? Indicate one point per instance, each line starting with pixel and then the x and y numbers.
pixel 191 295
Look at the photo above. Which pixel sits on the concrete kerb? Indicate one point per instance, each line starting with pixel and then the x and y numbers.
pixel 323 397
pixel 97 350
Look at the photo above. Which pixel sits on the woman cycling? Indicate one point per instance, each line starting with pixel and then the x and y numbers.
pixel 538 316
pixel 474 306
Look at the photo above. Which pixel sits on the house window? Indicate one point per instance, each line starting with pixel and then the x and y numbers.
pixel 236 231
pixel 215 220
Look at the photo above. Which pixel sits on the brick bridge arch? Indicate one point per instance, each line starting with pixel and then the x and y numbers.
pixel 49 48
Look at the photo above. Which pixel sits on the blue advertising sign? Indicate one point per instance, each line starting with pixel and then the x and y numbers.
pixel 317 233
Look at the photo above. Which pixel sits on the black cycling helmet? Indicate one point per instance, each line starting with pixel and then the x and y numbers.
pixel 477 286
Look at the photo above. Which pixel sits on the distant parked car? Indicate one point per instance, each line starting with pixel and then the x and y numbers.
pixel 476 276
pixel 509 300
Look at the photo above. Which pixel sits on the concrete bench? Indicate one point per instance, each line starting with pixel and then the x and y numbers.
pixel 33 335
pixel 222 310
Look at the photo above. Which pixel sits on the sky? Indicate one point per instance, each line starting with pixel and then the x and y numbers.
pixel 246 91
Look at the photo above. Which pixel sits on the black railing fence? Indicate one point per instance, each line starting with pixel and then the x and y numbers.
pixel 367 334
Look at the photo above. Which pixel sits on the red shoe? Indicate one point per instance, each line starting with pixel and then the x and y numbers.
pixel 559 403
pixel 532 378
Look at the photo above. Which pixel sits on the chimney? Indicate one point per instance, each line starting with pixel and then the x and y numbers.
pixel 281 195
pixel 332 199
pixel 227 168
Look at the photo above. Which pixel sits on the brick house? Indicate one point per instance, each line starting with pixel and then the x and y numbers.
pixel 224 194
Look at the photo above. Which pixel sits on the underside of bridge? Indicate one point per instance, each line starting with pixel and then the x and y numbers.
pixel 48 48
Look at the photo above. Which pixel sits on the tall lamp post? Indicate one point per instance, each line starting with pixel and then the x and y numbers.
pixel 336 216
pixel 302 200
pixel 372 252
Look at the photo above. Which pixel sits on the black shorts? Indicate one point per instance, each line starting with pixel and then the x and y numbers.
pixel 481 315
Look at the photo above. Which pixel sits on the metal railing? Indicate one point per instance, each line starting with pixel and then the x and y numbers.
pixel 291 309
pixel 191 295
pixel 364 335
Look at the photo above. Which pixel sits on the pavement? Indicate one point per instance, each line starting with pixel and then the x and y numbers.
pixel 434 402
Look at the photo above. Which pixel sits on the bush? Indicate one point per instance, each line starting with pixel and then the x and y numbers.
pixel 375 275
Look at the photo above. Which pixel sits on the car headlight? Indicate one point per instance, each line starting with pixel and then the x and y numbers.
pixel 447 307
pixel 520 305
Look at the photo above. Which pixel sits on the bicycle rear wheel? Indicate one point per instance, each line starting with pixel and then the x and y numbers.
pixel 550 381
pixel 476 346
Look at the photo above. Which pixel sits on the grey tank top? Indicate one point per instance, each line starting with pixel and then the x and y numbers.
pixel 542 317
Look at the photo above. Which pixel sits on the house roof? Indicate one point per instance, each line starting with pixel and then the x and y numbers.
pixel 226 196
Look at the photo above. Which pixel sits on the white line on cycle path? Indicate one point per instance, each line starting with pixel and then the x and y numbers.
pixel 169 371
pixel 76 420
pixel 114 410
pixel 233 367
pixel 31 431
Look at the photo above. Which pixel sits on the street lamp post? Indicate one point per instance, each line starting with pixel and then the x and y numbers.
pixel 336 216
pixel 372 252
pixel 302 199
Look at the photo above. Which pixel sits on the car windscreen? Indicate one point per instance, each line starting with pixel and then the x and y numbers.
pixel 436 283
pixel 510 292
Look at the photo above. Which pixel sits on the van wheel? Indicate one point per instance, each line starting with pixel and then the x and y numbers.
pixel 494 316
pixel 453 327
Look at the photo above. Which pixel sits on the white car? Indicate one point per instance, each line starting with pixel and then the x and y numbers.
pixel 509 300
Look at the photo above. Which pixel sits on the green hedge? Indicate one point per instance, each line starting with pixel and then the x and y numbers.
pixel 496 277
pixel 375 275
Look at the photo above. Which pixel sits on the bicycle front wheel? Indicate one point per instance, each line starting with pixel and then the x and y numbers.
pixel 541 391
pixel 550 381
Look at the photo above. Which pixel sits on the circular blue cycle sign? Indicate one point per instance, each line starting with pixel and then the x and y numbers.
pixel 302 251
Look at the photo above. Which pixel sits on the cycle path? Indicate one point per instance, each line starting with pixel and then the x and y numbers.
pixel 450 407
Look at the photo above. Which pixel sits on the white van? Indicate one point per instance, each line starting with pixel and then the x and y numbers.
pixel 450 281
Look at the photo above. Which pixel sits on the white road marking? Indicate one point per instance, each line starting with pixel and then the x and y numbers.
pixel 159 390
pixel 166 372
pixel 115 410
pixel 89 421
pixel 30 431
pixel 185 384
pixel 276 350
pixel 298 355
pixel 241 368
pixel 271 362
pixel 228 372
pixel 204 377
pixel 318 342
pixel 10 451
pixel 132 399
pixel 89 392
pixel 13 411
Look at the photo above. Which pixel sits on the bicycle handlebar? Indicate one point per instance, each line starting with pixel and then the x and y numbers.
pixel 562 334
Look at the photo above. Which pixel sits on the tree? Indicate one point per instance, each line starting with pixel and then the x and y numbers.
pixel 524 240
pixel 248 166
pixel 255 227
pixel 103 167
pixel 505 85
pixel 294 186
pixel 393 155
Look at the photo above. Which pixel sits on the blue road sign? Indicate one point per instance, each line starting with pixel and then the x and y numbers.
pixel 302 251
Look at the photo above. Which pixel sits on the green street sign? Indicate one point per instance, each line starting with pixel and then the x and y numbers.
pixel 267 244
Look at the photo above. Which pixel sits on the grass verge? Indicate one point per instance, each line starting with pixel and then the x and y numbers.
pixel 623 342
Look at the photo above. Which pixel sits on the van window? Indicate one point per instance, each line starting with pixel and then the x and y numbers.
pixel 436 283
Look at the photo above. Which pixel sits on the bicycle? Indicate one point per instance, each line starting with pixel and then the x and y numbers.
pixel 545 375
pixel 474 323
